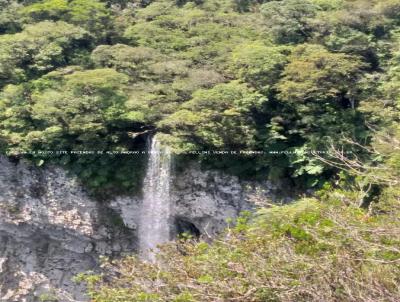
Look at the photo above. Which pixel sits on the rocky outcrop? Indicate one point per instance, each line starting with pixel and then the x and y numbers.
pixel 206 199
pixel 51 229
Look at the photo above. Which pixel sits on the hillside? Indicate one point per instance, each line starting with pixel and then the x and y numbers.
pixel 300 93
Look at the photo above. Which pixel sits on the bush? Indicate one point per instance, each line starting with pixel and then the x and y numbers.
pixel 308 251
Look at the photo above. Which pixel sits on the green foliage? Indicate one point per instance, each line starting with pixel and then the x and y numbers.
pixel 37 49
pixel 133 61
pixel 288 76
pixel 328 4
pixel 286 253
pixel 200 35
pixel 74 110
pixel 219 117
pixel 90 14
pixel 79 105
pixel 47 8
pixel 348 40
pixel 9 21
pixel 48 297
pixel 314 73
pixel 289 20
pixel 258 64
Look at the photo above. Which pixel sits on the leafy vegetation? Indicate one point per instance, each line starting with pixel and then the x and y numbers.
pixel 250 75
pixel 291 76
pixel 312 250
pixel 340 245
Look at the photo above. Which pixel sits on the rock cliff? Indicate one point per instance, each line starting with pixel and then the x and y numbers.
pixel 51 229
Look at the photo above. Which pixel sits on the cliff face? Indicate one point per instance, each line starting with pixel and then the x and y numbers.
pixel 206 198
pixel 51 229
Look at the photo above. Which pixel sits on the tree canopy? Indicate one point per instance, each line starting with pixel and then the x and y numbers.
pixel 266 75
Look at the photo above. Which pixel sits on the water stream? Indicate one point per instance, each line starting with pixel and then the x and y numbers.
pixel 154 228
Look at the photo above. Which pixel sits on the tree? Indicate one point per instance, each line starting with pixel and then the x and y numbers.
pixel 89 14
pixel 47 9
pixel 288 20
pixel 9 17
pixel 258 64
pixel 134 61
pixel 184 68
pixel 314 73
pixel 220 117
pixel 72 109
pixel 348 40
pixel 39 48
pixel 64 111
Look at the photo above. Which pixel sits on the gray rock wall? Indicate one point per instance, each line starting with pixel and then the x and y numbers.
pixel 51 229
pixel 207 199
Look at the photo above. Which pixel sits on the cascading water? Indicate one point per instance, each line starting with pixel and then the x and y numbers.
pixel 154 226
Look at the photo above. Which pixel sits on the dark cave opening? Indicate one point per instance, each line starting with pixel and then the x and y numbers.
pixel 183 226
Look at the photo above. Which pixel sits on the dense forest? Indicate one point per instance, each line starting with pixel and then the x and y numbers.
pixel 289 76
pixel 313 84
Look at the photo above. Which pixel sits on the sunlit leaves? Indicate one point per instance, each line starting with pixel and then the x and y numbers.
pixel 219 117
pixel 288 20
pixel 81 105
pixel 315 73
pixel 38 48
pixel 86 72
pixel 258 64
pixel 89 14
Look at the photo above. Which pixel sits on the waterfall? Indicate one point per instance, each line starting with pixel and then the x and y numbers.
pixel 154 228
